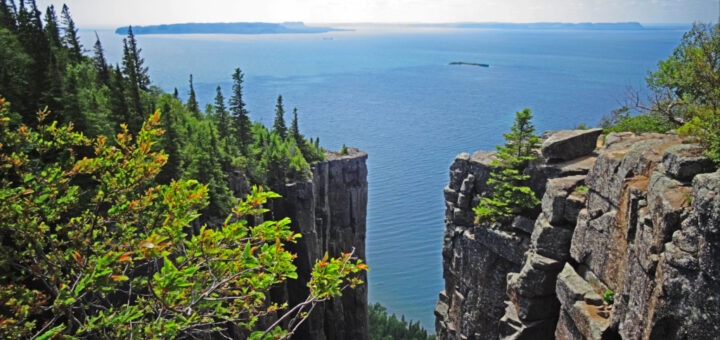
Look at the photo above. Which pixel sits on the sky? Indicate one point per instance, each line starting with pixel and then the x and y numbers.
pixel 100 13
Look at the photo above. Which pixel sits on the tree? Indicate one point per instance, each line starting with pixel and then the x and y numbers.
pixel 70 36
pixel 279 126
pixel 137 78
pixel 239 115
pixel 7 15
pixel 51 28
pixel 192 104
pixel 510 194
pixel 170 143
pixel 221 115
pixel 121 263
pixel 118 103
pixel 686 87
pixel 101 65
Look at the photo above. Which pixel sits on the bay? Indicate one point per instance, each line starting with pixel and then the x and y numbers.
pixel 393 94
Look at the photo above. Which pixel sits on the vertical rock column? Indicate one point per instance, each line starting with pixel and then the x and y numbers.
pixel 330 212
pixel 476 259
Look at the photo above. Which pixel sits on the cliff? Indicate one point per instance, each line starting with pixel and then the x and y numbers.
pixel 639 217
pixel 330 212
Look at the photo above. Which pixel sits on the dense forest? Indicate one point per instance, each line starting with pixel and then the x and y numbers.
pixel 42 65
pixel 102 175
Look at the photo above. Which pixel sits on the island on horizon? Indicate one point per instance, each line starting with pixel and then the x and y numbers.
pixel 228 28
pixel 300 27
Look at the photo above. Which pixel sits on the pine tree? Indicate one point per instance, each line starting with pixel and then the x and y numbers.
pixel 8 15
pixel 239 115
pixel 176 94
pixel 510 194
pixel 279 126
pixel 137 78
pixel 192 104
pixel 142 80
pixel 32 37
pixel 52 31
pixel 101 66
pixel 118 103
pixel 71 39
pixel 221 115
pixel 295 129
pixel 170 145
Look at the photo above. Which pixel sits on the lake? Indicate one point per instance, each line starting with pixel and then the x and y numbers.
pixel 393 94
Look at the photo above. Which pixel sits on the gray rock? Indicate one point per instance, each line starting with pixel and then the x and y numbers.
pixel 570 144
pixel 684 161
pixel 556 194
pixel 551 241
pixel 571 287
pixel 330 212
pixel 524 224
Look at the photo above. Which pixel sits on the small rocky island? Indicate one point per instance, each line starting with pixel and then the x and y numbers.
pixel 469 64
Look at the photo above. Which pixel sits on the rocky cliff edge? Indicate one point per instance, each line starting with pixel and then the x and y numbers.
pixel 638 217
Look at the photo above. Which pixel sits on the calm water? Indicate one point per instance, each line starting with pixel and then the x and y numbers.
pixel 395 96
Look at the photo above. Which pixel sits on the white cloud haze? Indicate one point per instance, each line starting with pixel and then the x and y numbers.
pixel 145 12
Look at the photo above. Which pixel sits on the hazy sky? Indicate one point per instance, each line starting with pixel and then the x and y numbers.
pixel 143 12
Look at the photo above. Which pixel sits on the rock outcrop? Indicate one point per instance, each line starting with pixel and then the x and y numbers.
pixel 330 212
pixel 640 218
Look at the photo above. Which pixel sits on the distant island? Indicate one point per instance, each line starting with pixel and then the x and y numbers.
pixel 228 28
pixel 469 64
pixel 605 26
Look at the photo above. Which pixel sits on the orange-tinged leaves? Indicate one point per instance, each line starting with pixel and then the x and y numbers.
pixel 126 257
pixel 77 257
pixel 117 278
pixel 363 266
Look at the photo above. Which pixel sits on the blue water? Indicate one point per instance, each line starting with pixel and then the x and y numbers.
pixel 393 95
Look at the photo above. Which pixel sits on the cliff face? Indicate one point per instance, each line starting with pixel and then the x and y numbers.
pixel 330 212
pixel 636 217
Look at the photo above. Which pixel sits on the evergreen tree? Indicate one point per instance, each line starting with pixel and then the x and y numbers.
pixel 101 66
pixel 279 126
pixel 15 68
pixel 239 115
pixel 221 115
pixel 7 15
pixel 175 94
pixel 192 104
pixel 52 31
pixel 205 167
pixel 32 37
pixel 70 37
pixel 295 129
pixel 141 79
pixel 170 145
pixel 71 103
pixel 510 194
pixel 118 103
pixel 137 78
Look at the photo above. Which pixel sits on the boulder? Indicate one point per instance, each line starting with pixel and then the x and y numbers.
pixel 684 161
pixel 570 144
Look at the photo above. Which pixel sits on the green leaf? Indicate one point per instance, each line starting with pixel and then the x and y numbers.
pixel 52 332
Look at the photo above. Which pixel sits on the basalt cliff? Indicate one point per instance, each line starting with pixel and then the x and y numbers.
pixel 330 212
pixel 637 216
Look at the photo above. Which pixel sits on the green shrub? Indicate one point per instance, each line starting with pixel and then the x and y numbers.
pixel 608 297
pixel 388 327
pixel 510 194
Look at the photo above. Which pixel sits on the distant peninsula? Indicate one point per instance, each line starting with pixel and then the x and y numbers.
pixel 604 26
pixel 228 28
